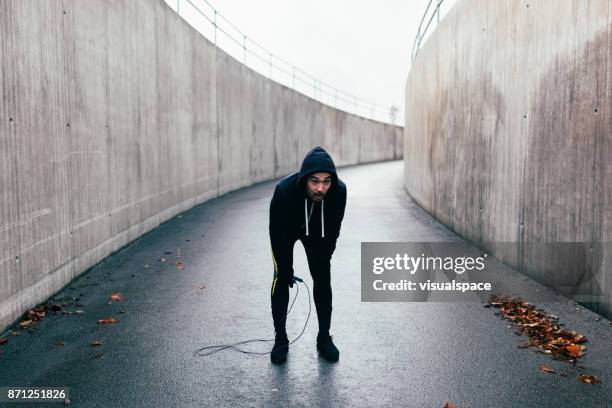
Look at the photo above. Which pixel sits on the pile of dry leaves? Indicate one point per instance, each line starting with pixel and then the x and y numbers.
pixel 544 333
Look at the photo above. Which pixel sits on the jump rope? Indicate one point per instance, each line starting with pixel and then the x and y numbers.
pixel 209 350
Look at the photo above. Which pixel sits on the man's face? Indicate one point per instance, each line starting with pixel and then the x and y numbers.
pixel 317 185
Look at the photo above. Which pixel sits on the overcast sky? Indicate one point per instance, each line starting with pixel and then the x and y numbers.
pixel 361 47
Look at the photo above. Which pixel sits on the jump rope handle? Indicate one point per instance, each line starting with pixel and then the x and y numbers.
pixel 297 279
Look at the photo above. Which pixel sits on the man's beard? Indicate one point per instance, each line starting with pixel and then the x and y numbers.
pixel 317 197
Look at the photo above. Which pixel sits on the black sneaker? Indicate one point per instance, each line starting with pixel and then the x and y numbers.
pixel 280 350
pixel 327 349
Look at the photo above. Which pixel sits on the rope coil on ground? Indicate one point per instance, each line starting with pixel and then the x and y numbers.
pixel 234 346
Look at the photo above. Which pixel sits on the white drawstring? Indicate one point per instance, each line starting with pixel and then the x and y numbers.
pixel 322 220
pixel 306 218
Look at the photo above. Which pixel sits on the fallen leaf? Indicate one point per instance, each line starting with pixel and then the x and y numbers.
pixel 38 313
pixel 579 339
pixel 588 379
pixel 162 260
pixel 3 340
pixel 25 323
pixel 574 350
pixel 108 320
pixel 116 296
pixel 96 343
pixel 14 333
pixel 56 308
pixel 180 266
pixel 546 368
pixel 450 405
pixel 59 343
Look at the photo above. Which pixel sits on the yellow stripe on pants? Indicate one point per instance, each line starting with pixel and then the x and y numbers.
pixel 275 273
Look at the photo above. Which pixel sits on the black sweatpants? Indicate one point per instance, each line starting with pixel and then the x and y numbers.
pixel 319 257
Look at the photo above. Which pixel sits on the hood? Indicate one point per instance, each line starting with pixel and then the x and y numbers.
pixel 315 161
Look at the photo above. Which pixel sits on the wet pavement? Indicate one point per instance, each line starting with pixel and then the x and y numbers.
pixel 204 278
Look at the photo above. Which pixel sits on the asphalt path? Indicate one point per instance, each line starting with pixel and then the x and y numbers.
pixel 204 278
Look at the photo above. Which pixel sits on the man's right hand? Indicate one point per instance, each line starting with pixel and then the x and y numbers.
pixel 291 281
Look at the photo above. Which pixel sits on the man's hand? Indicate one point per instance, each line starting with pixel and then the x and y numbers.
pixel 291 280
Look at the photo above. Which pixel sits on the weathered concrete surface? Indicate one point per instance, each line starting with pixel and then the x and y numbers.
pixel 115 116
pixel 509 136
pixel 392 354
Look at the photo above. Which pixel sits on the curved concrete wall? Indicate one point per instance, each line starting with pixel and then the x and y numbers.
pixel 509 136
pixel 116 116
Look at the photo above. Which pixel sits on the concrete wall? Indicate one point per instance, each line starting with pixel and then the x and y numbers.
pixel 115 116
pixel 509 136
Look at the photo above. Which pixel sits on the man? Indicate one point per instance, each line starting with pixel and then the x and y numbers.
pixel 308 206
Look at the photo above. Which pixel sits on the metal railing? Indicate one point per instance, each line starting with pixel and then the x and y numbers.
pixel 421 34
pixel 213 25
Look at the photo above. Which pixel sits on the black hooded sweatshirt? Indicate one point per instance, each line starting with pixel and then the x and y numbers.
pixel 290 208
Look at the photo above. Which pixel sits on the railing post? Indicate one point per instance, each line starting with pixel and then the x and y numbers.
pixel 215 24
pixel 244 38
